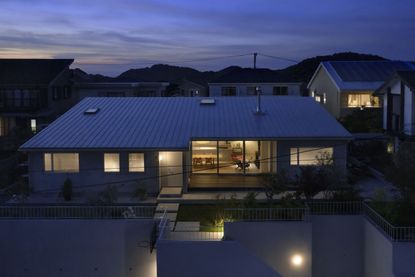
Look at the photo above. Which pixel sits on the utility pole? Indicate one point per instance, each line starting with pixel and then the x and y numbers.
pixel 255 54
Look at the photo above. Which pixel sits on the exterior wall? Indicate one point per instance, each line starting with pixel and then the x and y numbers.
pixel 91 172
pixel 61 105
pixel 378 253
pixel 207 259
pixel 409 112
pixel 215 90
pixel 338 246
pixel 323 84
pixel 69 248
pixel 283 153
pixel 186 89
pixel 275 243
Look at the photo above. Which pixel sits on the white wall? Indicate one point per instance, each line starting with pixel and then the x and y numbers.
pixel 91 166
pixel 275 243
pixel 215 90
pixel 207 259
pixel 101 248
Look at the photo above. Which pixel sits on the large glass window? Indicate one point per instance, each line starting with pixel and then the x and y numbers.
pixel 229 91
pixel 310 155
pixel 231 157
pixel 111 162
pixel 136 162
pixel 61 162
pixel 362 100
pixel 204 156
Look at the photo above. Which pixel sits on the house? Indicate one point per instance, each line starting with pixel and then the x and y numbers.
pixel 344 86
pixel 247 81
pixel 186 142
pixel 397 94
pixel 85 86
pixel 185 87
pixel 33 92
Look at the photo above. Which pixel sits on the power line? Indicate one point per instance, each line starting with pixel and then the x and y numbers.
pixel 279 58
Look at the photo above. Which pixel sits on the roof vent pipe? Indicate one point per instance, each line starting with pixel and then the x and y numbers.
pixel 258 100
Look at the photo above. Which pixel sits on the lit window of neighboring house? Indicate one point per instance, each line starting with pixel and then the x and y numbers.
pixel 310 155
pixel 136 162
pixel 229 91
pixel 61 162
pixel 111 162
pixel 362 100
pixel 280 90
pixel 33 125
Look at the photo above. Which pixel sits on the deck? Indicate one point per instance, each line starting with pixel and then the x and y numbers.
pixel 214 181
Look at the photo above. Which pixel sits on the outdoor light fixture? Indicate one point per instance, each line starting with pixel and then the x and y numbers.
pixel 297 260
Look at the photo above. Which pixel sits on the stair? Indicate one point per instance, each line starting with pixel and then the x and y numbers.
pixel 170 192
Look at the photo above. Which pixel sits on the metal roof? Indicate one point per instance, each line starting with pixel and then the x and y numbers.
pixel 362 75
pixel 170 123
pixel 407 77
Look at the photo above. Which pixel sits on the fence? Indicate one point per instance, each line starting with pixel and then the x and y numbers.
pixel 266 214
pixel 75 211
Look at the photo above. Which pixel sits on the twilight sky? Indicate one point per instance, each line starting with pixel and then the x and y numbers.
pixel 111 36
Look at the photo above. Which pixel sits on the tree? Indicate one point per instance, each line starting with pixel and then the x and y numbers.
pixel 275 183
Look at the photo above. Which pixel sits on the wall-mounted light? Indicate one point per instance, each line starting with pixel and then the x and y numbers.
pixel 297 260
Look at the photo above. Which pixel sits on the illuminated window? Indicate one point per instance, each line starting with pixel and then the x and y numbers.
pixel 318 98
pixel 61 162
pixel 310 155
pixel 33 125
pixel 362 100
pixel 111 162
pixel 136 162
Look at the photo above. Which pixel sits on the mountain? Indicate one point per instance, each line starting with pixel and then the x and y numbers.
pixel 301 72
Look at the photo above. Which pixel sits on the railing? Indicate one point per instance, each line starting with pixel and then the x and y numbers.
pixel 75 212
pixel 331 208
pixel 266 214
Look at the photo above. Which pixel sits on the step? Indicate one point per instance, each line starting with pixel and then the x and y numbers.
pixel 170 216
pixel 167 192
pixel 168 207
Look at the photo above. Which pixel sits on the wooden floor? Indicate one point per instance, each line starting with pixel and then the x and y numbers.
pixel 214 181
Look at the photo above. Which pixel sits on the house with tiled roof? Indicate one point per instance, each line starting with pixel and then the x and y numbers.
pixel 344 86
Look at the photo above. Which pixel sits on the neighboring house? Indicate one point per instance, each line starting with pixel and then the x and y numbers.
pixel 184 87
pixel 399 104
pixel 344 86
pixel 84 86
pixel 248 81
pixel 33 92
pixel 186 142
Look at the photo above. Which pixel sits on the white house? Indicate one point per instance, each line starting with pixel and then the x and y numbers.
pixel 344 86
pixel 248 81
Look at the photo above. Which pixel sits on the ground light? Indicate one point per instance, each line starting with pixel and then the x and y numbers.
pixel 297 260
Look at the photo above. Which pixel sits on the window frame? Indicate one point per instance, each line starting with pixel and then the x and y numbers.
pixel 52 161
pixel 129 162
pixel 278 91
pixel 119 162
pixel 298 151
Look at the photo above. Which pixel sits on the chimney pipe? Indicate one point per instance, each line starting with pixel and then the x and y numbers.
pixel 258 100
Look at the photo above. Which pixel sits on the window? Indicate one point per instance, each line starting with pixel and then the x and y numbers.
pixel 229 91
pixel 67 92
pixel 56 93
pixel 362 100
pixel 280 90
pixel 136 162
pixel 33 125
pixel 61 162
pixel 111 162
pixel 310 155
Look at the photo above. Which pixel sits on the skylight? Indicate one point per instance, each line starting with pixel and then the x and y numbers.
pixel 91 111
pixel 207 101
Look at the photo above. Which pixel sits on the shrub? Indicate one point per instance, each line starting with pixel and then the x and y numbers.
pixel 250 199
pixel 67 190
pixel 140 192
pixel 109 194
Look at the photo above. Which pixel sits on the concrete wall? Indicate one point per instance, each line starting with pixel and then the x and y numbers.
pixel 275 243
pixel 207 259
pixel 323 84
pixel 338 246
pixel 43 248
pixel 215 90
pixel 91 172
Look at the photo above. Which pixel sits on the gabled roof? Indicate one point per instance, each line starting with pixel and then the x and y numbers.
pixel 249 75
pixel 407 77
pixel 361 75
pixel 170 123
pixel 31 71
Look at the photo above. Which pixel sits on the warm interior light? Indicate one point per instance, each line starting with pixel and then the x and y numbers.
pixel 297 260
pixel 207 148
pixel 160 158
